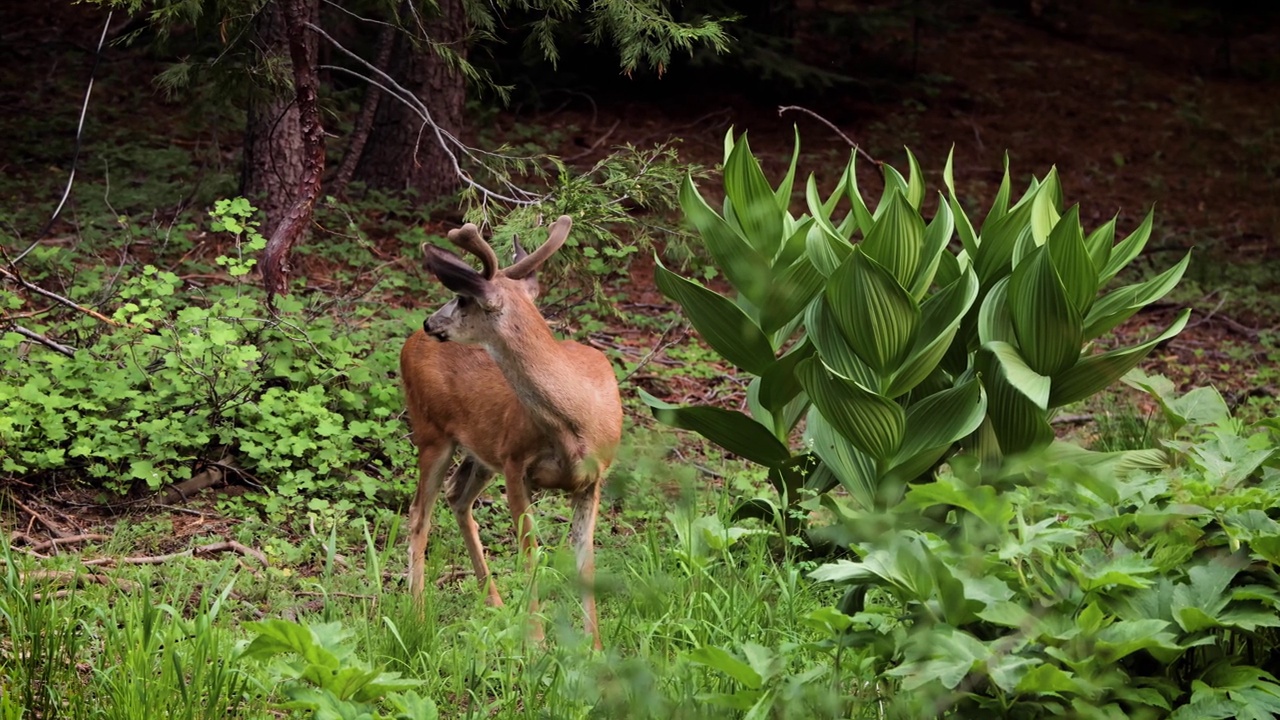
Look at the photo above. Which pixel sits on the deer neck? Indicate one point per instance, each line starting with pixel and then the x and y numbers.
pixel 532 361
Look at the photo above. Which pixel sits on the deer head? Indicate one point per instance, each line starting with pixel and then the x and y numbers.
pixel 491 300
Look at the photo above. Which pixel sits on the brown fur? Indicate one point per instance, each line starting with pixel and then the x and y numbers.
pixel 544 412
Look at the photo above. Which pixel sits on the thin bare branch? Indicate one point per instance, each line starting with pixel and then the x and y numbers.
pixel 13 277
pixel 831 125
pixel 51 344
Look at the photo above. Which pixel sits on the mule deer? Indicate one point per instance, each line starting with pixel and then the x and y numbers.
pixel 486 375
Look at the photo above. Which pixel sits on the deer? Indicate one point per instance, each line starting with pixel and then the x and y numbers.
pixel 485 375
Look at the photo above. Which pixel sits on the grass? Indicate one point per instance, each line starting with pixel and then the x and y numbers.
pixel 672 580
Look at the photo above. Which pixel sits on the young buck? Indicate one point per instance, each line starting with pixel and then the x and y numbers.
pixel 485 374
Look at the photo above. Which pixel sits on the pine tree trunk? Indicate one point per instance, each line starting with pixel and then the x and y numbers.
pixel 273 144
pixel 403 153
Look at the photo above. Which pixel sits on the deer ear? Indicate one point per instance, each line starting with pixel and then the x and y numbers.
pixel 454 273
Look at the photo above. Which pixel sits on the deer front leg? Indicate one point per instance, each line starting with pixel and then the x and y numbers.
pixel 433 458
pixel 465 486
pixel 586 505
pixel 518 499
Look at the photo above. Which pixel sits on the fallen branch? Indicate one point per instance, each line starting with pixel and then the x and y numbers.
pixel 211 548
pixel 57 531
pixel 13 277
pixel 79 579
pixel 53 543
pixel 202 480
pixel 51 344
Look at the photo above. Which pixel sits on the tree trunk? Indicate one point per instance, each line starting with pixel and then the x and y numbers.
pixel 403 151
pixel 273 144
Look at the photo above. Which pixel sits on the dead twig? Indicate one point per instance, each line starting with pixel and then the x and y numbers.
pixel 210 549
pixel 453 574
pixel 51 344
pixel 79 579
pixel 658 347
pixel 207 478
pixel 857 148
pixel 57 531
pixel 13 277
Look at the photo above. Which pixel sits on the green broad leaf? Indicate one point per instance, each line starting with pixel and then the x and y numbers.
pixel 412 706
pixel 896 241
pixel 783 193
pixel 1047 325
pixel 878 318
pixel 836 353
pixel 874 424
pixel 1016 422
pixel 1045 205
pixel 824 249
pixel 829 206
pixel 782 420
pixel 1200 406
pixel 968 237
pixel 1099 243
pixel 1047 679
pixel 729 429
pixel 1128 249
pixel 820 210
pixel 935 423
pixel 949 268
pixel 984 503
pixel 1120 305
pixel 790 293
pixel 778 385
pixel 1106 464
pixel 794 247
pixel 855 470
pixel 745 268
pixel 1095 372
pixel 996 246
pixel 941 315
pixel 728 145
pixel 1071 260
pixel 994 322
pixel 754 201
pixel 999 206
pixel 723 325
pixel 860 211
pixel 1016 371
pixel 915 181
pixel 893 182
pixel 1126 637
pixel 933 247
pixel 718 659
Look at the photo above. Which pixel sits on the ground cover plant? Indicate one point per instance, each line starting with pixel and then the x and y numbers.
pixel 202 500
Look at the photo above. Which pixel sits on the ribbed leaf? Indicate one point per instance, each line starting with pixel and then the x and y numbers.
pixel 893 182
pixel 782 420
pixel 999 206
pixel 783 192
pixel 935 423
pixel 968 237
pixel 1072 261
pixel 860 211
pixel 1048 326
pixel 877 317
pixel 728 144
pixel 915 182
pixel 934 246
pixel 1119 305
pixel 754 202
pixel 826 251
pixel 1099 243
pixel 1045 206
pixel 1096 372
pixel 745 268
pixel 1016 371
pixel 1000 238
pixel 1018 425
pixel 1106 464
pixel 794 246
pixel 723 325
pixel 790 293
pixel 855 469
pixel 940 318
pixel 731 430
pixel 994 321
pixel 896 241
pixel 825 334
pixel 1128 249
pixel 872 423
pixel 778 385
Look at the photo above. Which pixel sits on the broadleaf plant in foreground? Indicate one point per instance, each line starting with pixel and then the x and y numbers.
pixel 897 345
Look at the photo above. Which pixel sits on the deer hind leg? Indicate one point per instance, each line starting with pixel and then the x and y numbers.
pixel 582 530
pixel 468 481
pixel 433 460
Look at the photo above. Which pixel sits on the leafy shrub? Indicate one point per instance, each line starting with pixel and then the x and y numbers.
pixel 1068 588
pixel 896 350
pixel 296 400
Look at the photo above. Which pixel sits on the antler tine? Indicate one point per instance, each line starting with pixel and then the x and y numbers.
pixel 468 238
pixel 520 252
pixel 528 264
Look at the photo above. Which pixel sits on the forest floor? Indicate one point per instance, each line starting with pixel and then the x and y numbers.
pixel 1131 110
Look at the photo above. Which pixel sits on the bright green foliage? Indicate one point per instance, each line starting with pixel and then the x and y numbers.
pixel 314 666
pixel 300 402
pixel 1068 586
pixel 898 349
